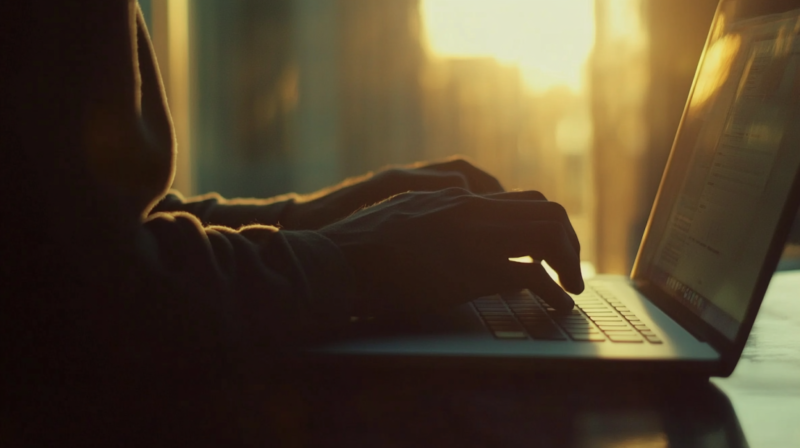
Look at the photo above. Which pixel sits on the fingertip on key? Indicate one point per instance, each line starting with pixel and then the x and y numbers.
pixel 566 303
pixel 575 286
pixel 581 286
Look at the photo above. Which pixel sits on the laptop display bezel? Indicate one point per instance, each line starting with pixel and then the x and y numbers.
pixel 735 10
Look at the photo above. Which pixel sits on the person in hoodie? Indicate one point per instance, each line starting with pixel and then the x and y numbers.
pixel 132 315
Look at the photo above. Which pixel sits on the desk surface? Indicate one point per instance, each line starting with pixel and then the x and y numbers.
pixel 758 406
pixel 765 387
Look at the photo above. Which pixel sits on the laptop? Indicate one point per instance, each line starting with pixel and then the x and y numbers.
pixel 716 231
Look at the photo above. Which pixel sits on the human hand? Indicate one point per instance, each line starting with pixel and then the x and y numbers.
pixel 419 251
pixel 329 205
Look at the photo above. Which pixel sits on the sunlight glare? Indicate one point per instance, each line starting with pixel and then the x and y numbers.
pixel 549 40
pixel 715 69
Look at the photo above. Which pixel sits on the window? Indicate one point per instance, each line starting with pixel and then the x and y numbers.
pixel 579 99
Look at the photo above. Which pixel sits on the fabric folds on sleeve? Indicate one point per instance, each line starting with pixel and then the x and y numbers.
pixel 213 209
pixel 268 285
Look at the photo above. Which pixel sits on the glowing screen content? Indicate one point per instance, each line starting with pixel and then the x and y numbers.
pixel 743 158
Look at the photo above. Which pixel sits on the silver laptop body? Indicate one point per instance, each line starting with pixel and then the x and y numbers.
pixel 715 234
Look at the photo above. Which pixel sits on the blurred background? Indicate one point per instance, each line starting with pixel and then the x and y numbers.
pixel 579 99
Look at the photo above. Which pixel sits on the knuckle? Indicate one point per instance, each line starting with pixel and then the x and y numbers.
pixel 461 162
pixel 556 209
pixel 454 179
pixel 458 163
pixel 554 231
pixel 392 173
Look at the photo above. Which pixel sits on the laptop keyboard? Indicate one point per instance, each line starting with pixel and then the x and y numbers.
pixel 597 317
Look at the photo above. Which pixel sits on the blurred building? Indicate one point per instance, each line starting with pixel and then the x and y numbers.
pixel 644 60
pixel 244 95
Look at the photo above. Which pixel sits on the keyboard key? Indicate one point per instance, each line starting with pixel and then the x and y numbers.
pixel 572 312
pixel 619 331
pixel 494 312
pixel 510 335
pixel 612 325
pixel 547 335
pixel 595 318
pixel 531 311
pixel 575 324
pixel 570 319
pixel 653 339
pixel 497 322
pixel 535 322
pixel 584 331
pixel 532 316
pixel 588 337
pixel 505 328
pixel 502 323
pixel 625 338
pixel 543 327
pixel 499 318
pixel 499 306
pixel 573 331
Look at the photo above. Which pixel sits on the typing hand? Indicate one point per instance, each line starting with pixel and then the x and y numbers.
pixel 419 251
pixel 329 205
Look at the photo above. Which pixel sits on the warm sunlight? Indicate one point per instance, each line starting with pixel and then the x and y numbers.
pixel 549 40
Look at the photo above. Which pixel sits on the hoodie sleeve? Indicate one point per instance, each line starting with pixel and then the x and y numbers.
pixel 121 325
pixel 213 209
pixel 270 286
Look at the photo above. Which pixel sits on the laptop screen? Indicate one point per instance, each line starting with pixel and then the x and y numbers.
pixel 731 169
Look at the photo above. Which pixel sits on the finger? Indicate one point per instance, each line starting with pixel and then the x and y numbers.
pixel 541 240
pixel 478 181
pixel 435 181
pixel 534 277
pixel 527 195
pixel 393 181
pixel 553 245
pixel 508 210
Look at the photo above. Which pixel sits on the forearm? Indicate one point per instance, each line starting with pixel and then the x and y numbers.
pixel 270 284
pixel 213 209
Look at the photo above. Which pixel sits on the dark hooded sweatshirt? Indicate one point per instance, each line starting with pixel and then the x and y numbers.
pixel 129 316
